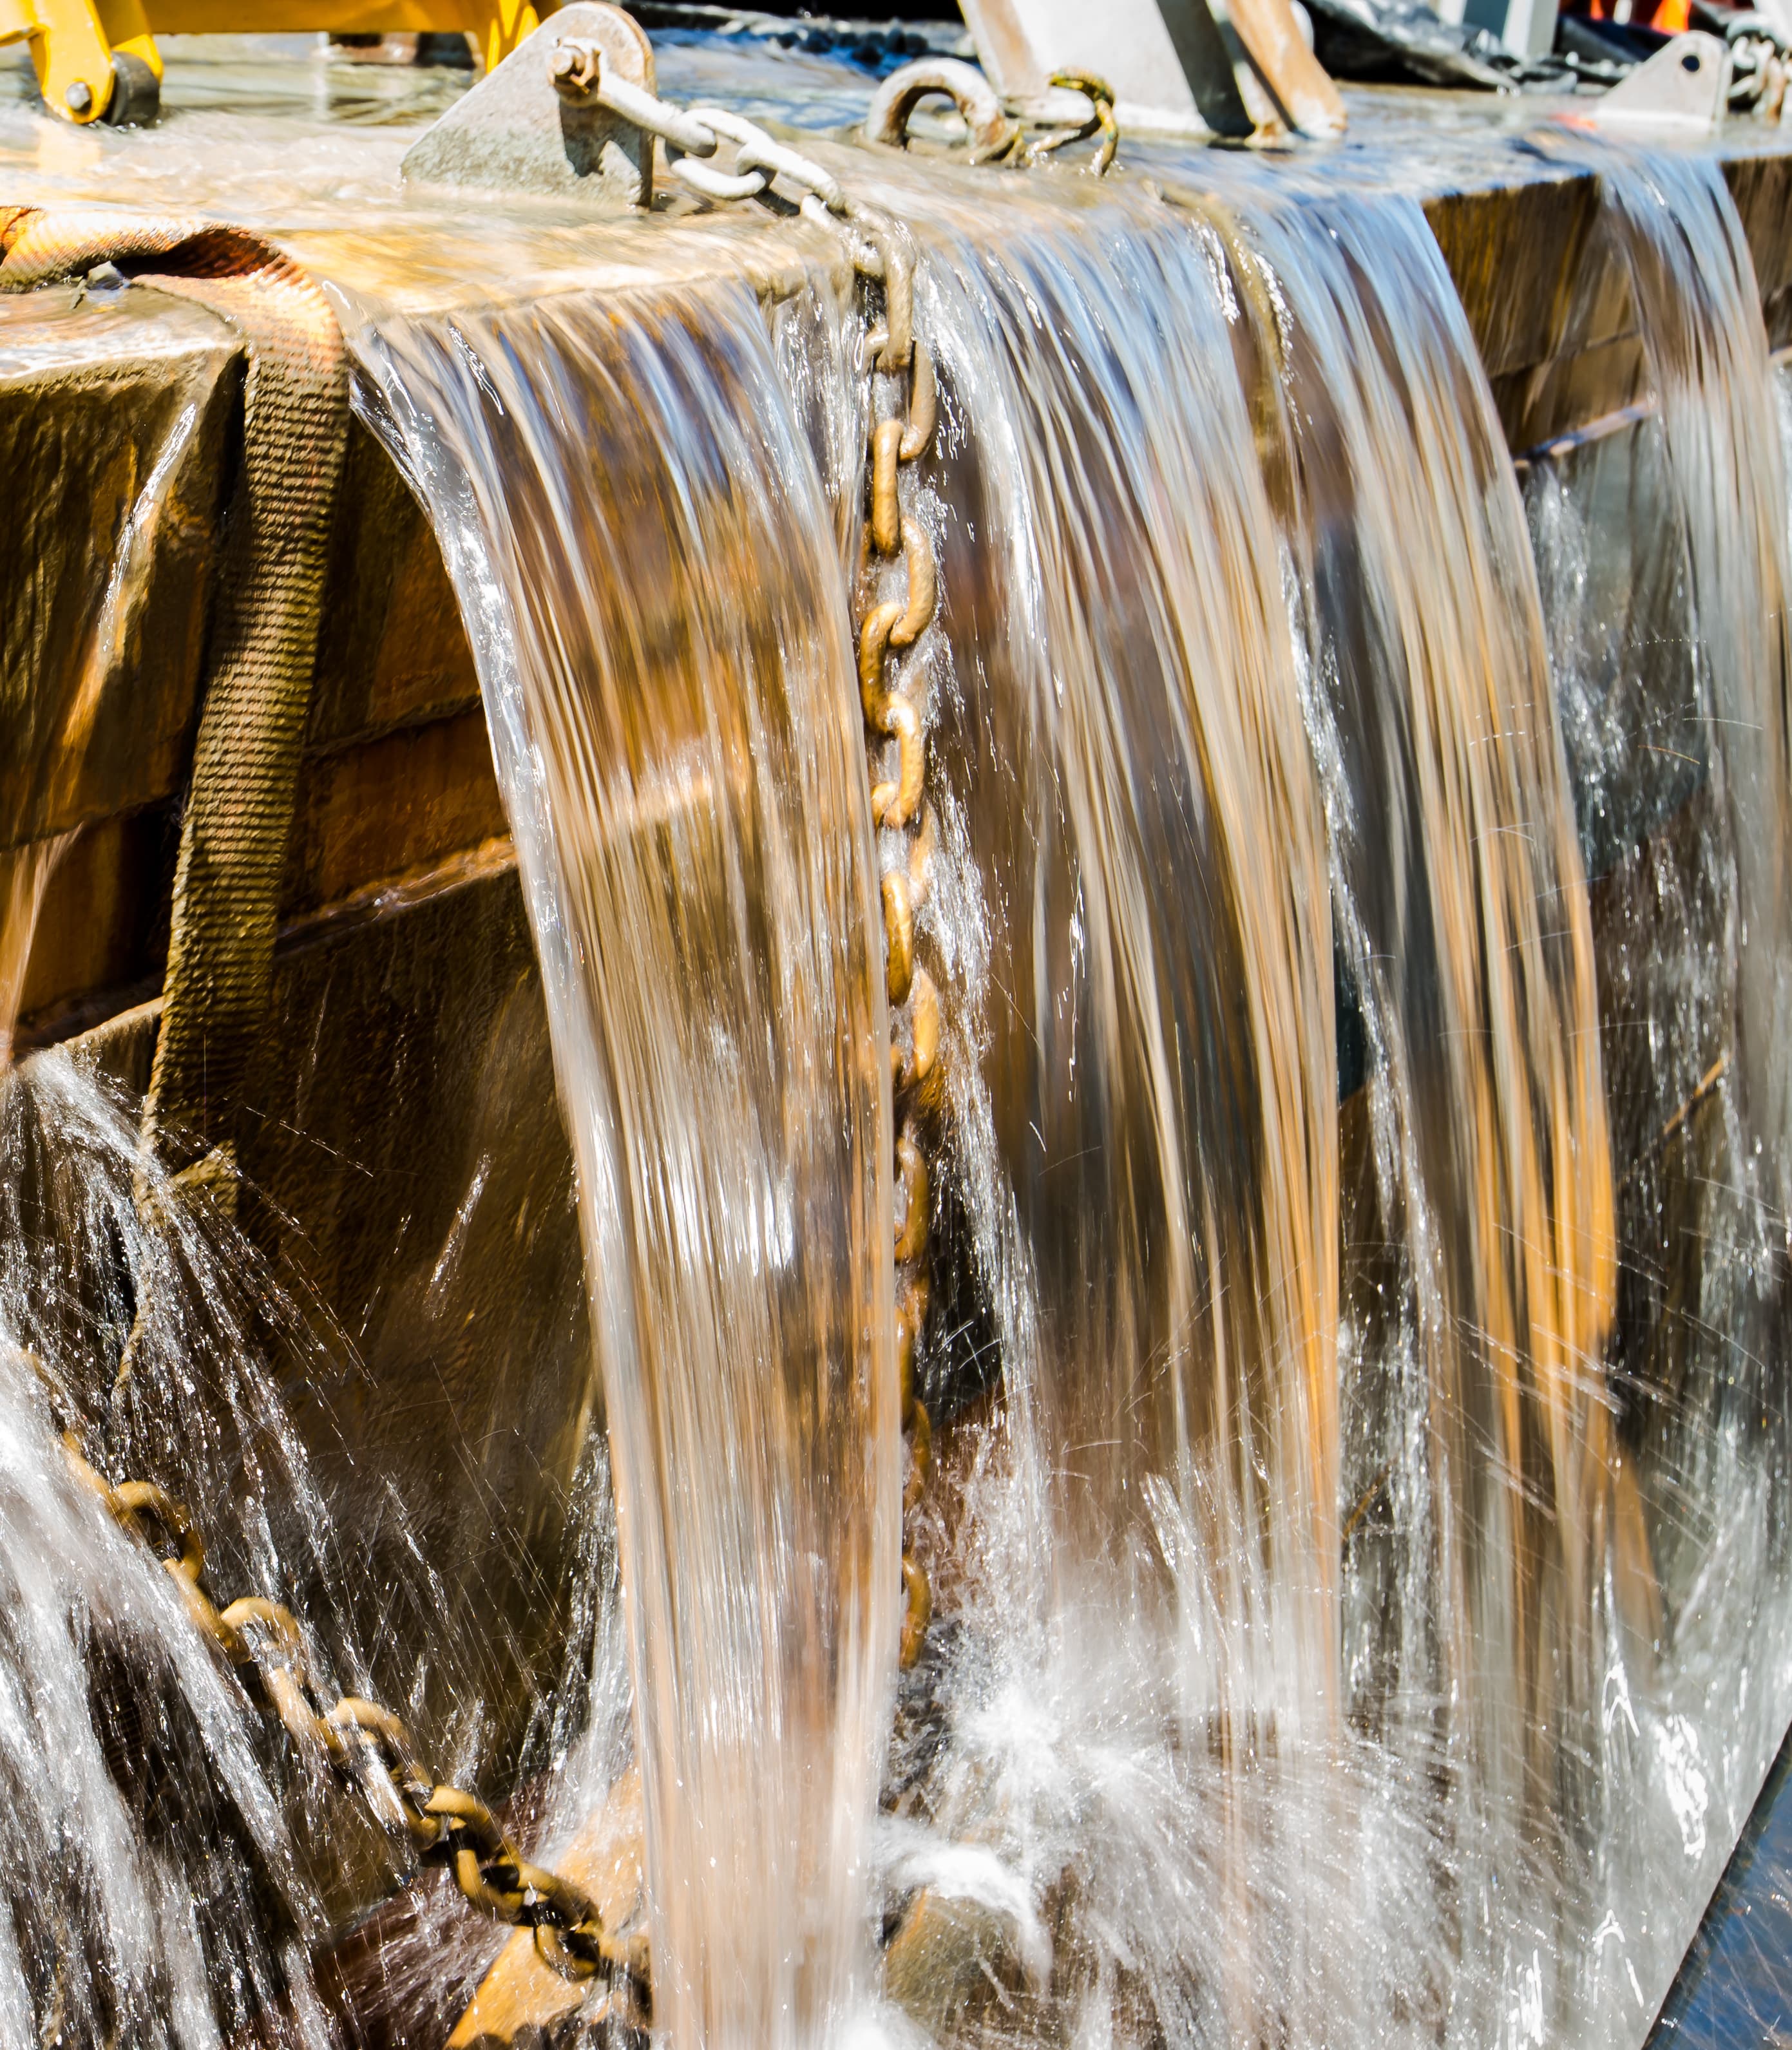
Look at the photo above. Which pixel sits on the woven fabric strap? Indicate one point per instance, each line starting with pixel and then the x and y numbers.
pixel 260 650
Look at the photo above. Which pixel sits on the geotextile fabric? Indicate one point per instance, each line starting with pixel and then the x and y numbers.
pixel 259 651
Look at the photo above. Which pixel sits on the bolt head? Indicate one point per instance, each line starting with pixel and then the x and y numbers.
pixel 80 96
pixel 573 67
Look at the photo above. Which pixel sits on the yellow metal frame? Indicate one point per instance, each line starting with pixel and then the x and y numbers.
pixel 73 41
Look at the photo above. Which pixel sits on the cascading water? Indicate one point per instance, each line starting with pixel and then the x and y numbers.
pixel 1477 1235
pixel 1358 1539
pixel 158 1896
pixel 1142 1676
pixel 1300 1648
pixel 1663 552
pixel 651 577
pixel 1243 1827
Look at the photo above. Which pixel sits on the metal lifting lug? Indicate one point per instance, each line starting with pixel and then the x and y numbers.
pixel 557 116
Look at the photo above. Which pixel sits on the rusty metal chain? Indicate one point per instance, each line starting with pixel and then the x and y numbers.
pixel 691 134
pixel 369 1748
pixel 879 255
pixel 993 136
pixel 897 805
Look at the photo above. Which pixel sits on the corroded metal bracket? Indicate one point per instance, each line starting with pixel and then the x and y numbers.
pixel 1686 85
pixel 532 125
pixel 1188 66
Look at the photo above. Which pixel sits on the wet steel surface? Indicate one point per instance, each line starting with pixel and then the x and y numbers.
pixel 1734 1989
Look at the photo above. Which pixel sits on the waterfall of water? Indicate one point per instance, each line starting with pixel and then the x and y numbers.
pixel 1479 1244
pixel 1359 1540
pixel 1157 1722
pixel 157 1895
pixel 1329 1543
pixel 1547 1748
pixel 650 571
pixel 1663 552
pixel 1140 1674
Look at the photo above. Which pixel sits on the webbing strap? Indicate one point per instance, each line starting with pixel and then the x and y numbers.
pixel 259 654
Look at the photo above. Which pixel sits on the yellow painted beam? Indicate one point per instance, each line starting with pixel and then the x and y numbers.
pixel 70 53
pixel 73 41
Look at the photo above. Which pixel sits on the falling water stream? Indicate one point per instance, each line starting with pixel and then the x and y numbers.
pixel 1358 896
pixel 1303 1605
pixel 651 577
pixel 1675 713
pixel 1256 1785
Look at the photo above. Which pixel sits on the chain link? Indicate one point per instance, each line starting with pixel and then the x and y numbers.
pixel 758 154
pixel 692 134
pixel 879 254
pixel 368 1747
pixel 886 628
pixel 1100 96
pixel 992 137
